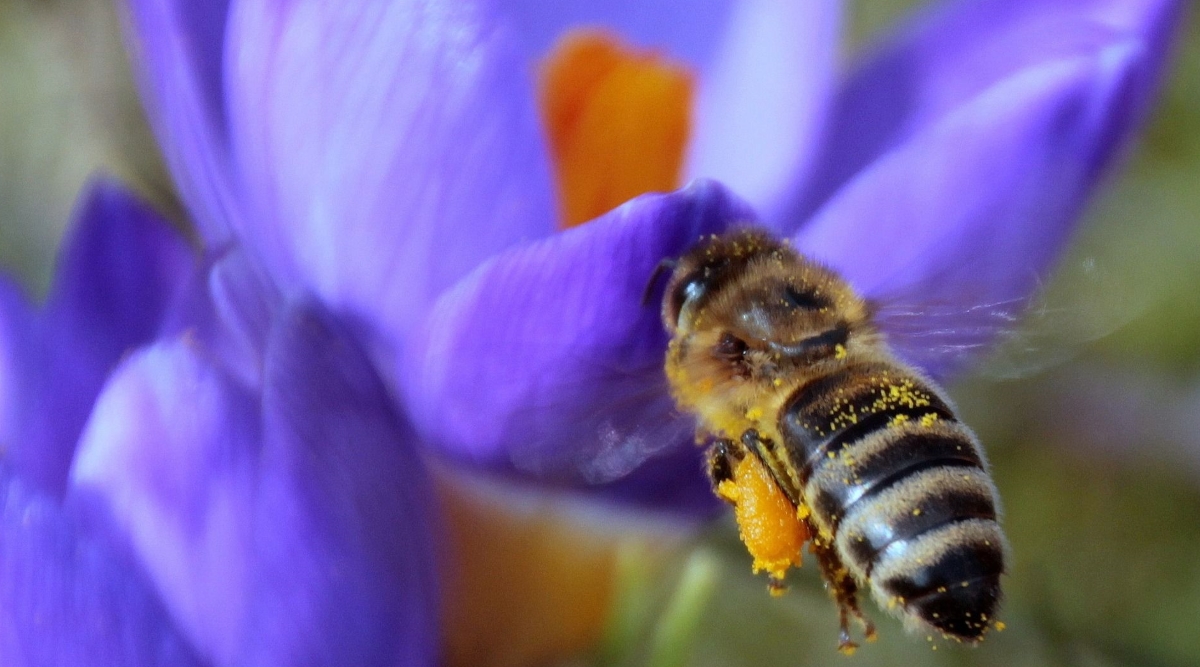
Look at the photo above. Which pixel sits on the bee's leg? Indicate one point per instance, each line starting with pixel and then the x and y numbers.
pixel 722 457
pixel 764 449
pixel 844 590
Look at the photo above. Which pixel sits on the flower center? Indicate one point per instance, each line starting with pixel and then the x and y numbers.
pixel 618 122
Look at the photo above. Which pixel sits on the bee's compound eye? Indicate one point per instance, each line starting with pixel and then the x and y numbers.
pixel 690 289
pixel 693 286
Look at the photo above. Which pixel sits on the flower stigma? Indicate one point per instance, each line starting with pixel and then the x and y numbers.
pixel 617 120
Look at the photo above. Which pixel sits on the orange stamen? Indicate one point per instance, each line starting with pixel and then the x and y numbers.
pixel 617 120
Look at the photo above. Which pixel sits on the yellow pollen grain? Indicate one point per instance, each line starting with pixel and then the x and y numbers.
pixel 839 351
pixel 618 121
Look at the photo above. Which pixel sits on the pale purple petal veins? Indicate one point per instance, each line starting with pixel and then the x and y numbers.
pixel 172 452
pixel 546 359
pixel 965 218
pixel 70 598
pixel 119 272
pixel 388 147
pixel 345 571
pixel 953 52
pixel 763 99
pixel 178 46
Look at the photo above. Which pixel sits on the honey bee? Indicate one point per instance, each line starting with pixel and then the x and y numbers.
pixel 820 433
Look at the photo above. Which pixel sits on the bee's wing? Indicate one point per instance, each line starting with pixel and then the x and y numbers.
pixel 946 332
pixel 615 430
pixel 944 336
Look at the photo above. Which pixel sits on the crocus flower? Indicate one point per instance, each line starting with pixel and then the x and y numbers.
pixel 390 158
pixel 197 471
pixel 375 185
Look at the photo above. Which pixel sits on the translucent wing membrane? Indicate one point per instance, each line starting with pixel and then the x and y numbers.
pixel 1009 338
pixel 615 431
pixel 942 336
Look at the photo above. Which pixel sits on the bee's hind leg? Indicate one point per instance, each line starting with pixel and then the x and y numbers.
pixel 844 589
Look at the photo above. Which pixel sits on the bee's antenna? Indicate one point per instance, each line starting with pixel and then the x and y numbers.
pixel 663 266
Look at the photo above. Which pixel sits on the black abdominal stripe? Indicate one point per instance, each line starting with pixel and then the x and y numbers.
pixel 900 487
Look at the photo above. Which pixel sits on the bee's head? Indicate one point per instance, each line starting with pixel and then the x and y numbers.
pixel 757 302
pixel 707 270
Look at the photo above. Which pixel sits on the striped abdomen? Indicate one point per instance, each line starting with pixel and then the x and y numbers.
pixel 901 488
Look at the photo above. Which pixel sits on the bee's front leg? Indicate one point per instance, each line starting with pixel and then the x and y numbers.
pixel 722 457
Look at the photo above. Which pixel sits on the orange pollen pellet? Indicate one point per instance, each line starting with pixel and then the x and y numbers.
pixel 768 522
pixel 617 120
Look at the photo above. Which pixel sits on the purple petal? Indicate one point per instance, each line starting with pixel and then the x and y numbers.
pixel 229 310
pixel 388 147
pixel 350 580
pixel 967 215
pixel 686 31
pixel 179 47
pixel 16 322
pixel 120 271
pixel 764 97
pixel 675 482
pixel 949 55
pixel 294 535
pixel 68 599
pixel 546 358
pixel 173 451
